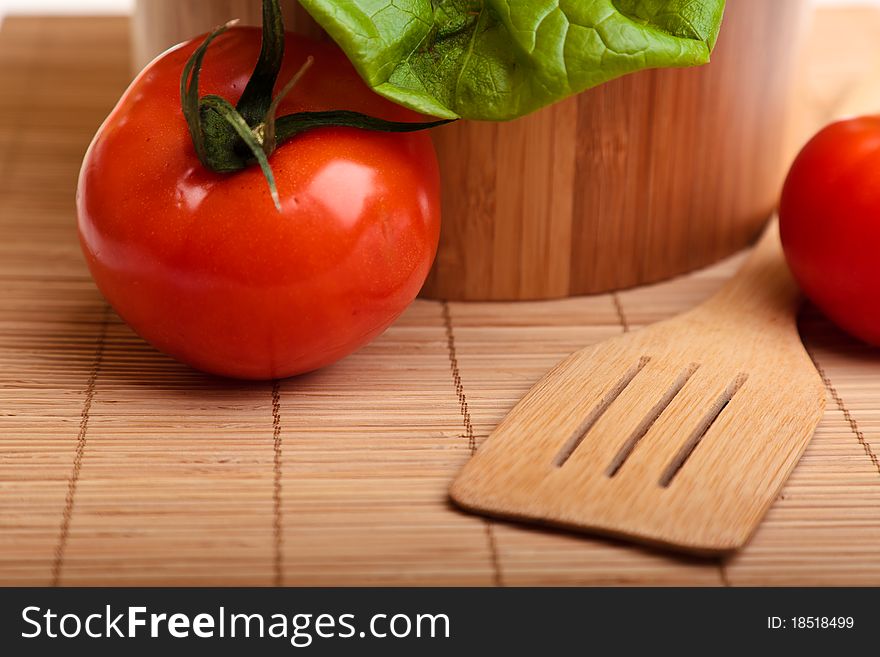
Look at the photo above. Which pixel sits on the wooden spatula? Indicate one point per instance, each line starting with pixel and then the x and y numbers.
pixel 680 434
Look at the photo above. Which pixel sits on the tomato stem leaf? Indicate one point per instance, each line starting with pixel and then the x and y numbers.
pixel 229 114
pixel 270 141
pixel 288 127
pixel 257 96
pixel 189 92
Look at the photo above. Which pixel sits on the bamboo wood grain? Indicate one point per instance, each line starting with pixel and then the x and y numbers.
pixel 178 476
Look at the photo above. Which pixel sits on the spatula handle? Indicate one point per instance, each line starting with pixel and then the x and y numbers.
pixel 764 285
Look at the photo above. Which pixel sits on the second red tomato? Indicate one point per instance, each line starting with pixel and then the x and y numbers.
pixel 830 224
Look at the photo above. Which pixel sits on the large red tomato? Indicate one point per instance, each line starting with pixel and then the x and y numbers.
pixel 203 265
pixel 830 224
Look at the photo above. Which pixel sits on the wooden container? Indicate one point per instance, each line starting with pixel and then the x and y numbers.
pixel 641 179
pixel 160 24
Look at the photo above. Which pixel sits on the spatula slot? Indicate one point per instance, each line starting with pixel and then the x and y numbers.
pixel 598 411
pixel 702 429
pixel 653 415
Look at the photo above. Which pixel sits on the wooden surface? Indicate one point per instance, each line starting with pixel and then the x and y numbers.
pixel 680 434
pixel 118 466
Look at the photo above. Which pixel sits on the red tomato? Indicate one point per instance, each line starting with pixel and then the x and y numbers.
pixel 830 224
pixel 204 267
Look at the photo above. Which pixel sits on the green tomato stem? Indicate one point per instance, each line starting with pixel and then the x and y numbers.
pixel 229 139
pixel 270 135
pixel 229 114
pixel 257 96
pixel 189 93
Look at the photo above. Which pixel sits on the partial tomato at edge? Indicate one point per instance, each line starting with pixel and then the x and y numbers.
pixel 205 268
pixel 830 224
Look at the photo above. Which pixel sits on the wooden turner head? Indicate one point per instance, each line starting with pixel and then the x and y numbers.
pixel 680 434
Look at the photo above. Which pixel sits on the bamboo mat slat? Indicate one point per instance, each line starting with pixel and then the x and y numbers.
pixel 120 466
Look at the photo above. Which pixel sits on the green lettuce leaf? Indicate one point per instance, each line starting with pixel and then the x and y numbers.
pixel 500 59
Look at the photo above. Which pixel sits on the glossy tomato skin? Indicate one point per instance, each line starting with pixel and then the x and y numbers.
pixel 830 224
pixel 205 268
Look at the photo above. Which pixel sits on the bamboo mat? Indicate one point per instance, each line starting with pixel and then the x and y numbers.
pixel 120 467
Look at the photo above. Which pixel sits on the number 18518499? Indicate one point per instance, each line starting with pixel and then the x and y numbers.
pixel 810 623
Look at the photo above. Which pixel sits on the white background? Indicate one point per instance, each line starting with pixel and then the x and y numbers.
pixel 123 6
pixel 65 6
